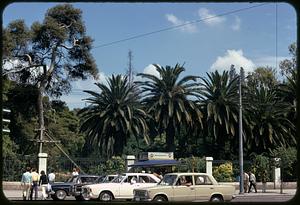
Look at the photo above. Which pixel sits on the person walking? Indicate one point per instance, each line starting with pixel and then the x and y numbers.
pixel 44 182
pixel 246 182
pixel 26 182
pixel 51 177
pixel 252 180
pixel 35 180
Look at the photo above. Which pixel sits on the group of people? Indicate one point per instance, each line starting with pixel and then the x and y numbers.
pixel 249 182
pixel 31 180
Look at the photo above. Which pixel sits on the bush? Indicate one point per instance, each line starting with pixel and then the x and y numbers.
pixel 192 163
pixel 224 172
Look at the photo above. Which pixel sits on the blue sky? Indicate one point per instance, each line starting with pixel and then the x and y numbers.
pixel 246 38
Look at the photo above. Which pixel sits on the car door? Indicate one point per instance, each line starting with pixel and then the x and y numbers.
pixel 203 187
pixel 183 191
pixel 127 185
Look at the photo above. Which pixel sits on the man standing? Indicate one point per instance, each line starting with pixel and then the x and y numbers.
pixel 35 180
pixel 51 177
pixel 26 183
pixel 246 182
pixel 252 180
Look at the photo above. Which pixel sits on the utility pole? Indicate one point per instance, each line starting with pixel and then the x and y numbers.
pixel 130 69
pixel 241 160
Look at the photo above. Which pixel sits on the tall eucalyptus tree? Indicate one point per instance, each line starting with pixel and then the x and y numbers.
pixel 171 101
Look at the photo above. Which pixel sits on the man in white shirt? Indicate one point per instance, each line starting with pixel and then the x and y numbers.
pixel 252 180
pixel 26 183
pixel 51 177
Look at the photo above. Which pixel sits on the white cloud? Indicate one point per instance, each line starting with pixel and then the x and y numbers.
pixel 150 69
pixel 233 57
pixel 190 28
pixel 210 18
pixel 237 24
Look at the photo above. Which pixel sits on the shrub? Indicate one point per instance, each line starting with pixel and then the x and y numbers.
pixel 224 172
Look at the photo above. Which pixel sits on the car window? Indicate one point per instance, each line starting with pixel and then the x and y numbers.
pixel 168 180
pixel 88 179
pixel 131 179
pixel 118 179
pixel 184 180
pixel 146 179
pixel 202 180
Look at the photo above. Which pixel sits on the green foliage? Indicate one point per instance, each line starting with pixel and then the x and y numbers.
pixel 168 101
pixel 223 173
pixel 114 115
pixel 196 164
pixel 288 161
pixel 261 167
pixel 115 165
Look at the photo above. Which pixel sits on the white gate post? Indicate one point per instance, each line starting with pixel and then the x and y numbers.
pixel 42 162
pixel 209 165
pixel 129 160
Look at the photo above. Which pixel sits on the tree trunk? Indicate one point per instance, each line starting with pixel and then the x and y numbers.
pixel 40 107
pixel 170 137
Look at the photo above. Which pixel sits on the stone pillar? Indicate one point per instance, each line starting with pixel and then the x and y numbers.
pixel 209 165
pixel 130 159
pixel 277 173
pixel 42 162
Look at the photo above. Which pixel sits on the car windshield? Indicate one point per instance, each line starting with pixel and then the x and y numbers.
pixel 118 179
pixel 168 180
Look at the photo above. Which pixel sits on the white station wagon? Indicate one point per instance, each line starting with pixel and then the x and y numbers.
pixel 186 187
pixel 121 187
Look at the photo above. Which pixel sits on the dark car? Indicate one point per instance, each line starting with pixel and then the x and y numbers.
pixel 72 187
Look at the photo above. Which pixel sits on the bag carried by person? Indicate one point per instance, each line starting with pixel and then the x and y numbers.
pixel 49 187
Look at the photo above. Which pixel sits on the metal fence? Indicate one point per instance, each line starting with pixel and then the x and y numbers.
pixel 13 168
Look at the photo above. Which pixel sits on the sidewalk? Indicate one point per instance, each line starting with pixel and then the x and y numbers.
pixel 268 192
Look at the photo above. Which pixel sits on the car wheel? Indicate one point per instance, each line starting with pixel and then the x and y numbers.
pixel 216 199
pixel 159 198
pixel 60 194
pixel 105 196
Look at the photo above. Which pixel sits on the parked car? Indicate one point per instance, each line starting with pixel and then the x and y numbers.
pixel 120 187
pixel 73 186
pixel 186 187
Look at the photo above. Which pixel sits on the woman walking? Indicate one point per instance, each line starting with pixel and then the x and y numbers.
pixel 44 182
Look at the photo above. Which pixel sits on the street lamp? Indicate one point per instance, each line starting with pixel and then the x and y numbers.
pixel 241 161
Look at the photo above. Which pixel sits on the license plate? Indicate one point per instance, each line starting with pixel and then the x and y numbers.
pixel 137 199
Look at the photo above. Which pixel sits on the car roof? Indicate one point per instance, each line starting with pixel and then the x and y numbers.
pixel 88 175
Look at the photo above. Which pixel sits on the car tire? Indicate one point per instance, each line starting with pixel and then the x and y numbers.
pixel 216 199
pixel 160 198
pixel 106 196
pixel 60 194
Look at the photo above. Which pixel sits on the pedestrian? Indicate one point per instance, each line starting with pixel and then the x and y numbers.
pixel 246 182
pixel 252 180
pixel 26 182
pixel 264 180
pixel 51 176
pixel 35 180
pixel 75 172
pixel 44 183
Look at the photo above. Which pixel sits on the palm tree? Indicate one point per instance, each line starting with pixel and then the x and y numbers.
pixel 114 115
pixel 169 100
pixel 269 121
pixel 219 99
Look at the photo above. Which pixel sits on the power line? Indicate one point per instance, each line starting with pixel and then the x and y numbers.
pixel 178 26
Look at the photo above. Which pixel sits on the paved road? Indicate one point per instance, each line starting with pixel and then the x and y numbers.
pixel 270 196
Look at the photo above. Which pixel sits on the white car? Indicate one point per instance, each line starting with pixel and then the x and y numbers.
pixel 186 187
pixel 120 187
